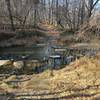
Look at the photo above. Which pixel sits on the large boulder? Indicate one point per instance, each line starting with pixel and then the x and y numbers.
pixel 18 64
pixel 33 64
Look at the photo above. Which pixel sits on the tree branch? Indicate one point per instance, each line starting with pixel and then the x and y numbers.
pixel 95 3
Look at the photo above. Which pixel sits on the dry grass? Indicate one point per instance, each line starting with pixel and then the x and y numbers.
pixel 81 76
pixel 81 79
pixel 90 32
pixel 11 78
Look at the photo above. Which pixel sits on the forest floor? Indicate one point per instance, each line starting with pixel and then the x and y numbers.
pixel 60 36
pixel 42 34
pixel 29 37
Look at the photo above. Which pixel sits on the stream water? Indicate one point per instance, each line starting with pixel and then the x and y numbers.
pixel 39 51
pixel 42 53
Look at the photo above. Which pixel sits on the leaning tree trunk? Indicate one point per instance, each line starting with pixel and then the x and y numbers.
pixel 10 15
pixel 91 6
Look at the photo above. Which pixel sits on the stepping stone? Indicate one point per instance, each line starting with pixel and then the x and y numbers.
pixel 55 56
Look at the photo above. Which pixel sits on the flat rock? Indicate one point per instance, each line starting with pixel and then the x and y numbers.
pixel 5 62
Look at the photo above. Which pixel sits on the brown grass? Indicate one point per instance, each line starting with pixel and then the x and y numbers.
pixel 80 79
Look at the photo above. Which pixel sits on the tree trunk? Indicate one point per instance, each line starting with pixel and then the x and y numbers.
pixel 10 14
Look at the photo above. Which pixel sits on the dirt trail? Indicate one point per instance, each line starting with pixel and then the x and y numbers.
pixel 52 32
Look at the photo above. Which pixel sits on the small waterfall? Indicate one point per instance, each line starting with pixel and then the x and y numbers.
pixel 48 50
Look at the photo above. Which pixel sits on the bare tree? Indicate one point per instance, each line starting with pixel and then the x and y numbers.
pixel 10 14
pixel 90 5
pixel 66 13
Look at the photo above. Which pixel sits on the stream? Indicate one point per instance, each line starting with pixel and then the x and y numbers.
pixel 38 52
pixel 47 55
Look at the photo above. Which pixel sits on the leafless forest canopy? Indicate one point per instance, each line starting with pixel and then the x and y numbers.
pixel 66 13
